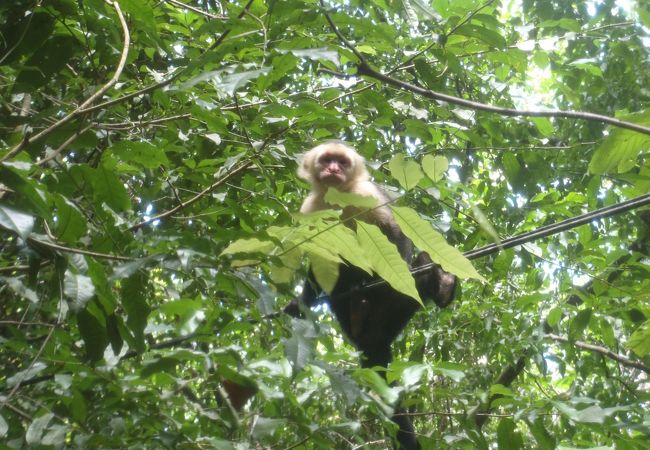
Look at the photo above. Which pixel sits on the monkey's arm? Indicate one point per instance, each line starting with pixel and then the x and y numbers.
pixel 310 297
pixel 435 284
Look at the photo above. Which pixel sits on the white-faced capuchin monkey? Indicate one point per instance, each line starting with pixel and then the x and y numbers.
pixel 371 317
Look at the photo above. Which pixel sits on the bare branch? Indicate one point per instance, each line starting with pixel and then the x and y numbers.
pixel 603 351
pixel 90 100
pixel 364 68
pixel 196 10
pixel 63 146
pixel 62 248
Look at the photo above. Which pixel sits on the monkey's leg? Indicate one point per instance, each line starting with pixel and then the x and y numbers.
pixel 406 438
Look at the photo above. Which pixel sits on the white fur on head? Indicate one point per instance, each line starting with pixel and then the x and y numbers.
pixel 309 172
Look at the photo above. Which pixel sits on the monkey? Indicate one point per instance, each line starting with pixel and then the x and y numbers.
pixel 371 318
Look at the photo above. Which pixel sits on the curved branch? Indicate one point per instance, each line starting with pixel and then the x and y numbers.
pixel 194 199
pixel 530 236
pixel 364 68
pixel 80 109
pixel 603 351
pixel 481 413
pixel 62 248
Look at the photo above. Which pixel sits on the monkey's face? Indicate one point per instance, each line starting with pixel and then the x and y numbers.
pixel 333 168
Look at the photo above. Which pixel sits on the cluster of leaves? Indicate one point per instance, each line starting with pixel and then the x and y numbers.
pixel 140 139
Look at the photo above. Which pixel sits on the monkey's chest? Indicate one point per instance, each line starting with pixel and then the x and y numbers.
pixel 369 317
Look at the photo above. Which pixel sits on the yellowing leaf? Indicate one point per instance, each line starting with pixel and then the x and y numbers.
pixel 253 245
pixel 325 271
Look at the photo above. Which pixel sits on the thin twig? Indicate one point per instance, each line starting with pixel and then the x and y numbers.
pixel 449 33
pixel 196 10
pixel 603 351
pixel 364 68
pixel 90 100
pixel 63 146
pixel 78 251
pixel 141 123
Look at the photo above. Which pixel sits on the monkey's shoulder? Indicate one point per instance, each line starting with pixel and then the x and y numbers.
pixel 370 189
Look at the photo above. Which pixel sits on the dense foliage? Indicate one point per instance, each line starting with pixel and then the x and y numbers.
pixel 140 139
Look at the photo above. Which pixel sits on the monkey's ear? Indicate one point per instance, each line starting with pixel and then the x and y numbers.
pixel 302 169
pixel 306 164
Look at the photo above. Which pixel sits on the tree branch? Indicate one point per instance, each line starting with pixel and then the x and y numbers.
pixel 603 351
pixel 80 109
pixel 364 68
pixel 508 375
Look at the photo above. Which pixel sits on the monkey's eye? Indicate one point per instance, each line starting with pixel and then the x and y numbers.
pixel 343 162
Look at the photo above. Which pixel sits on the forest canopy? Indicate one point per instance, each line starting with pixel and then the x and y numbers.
pixel 149 234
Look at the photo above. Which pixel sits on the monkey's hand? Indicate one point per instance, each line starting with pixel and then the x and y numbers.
pixel 435 284
pixel 293 308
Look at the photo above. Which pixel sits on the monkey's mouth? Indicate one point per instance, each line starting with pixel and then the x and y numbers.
pixel 332 178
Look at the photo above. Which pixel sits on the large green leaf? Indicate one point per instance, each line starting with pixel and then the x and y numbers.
pixel 427 239
pixel 386 260
pixel 16 221
pixel 618 151
pixel 408 173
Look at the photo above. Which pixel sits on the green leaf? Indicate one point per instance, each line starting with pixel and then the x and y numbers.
pixel 343 385
pixel 31 194
pixel 451 370
pixel 326 271
pixel 644 14
pixel 554 316
pixel 46 62
pixel 135 304
pixel 225 81
pixel 591 414
pixel 4 427
pixel 413 374
pixel 142 153
pixel 407 173
pixel 26 374
pixel 544 439
pixel 298 348
pixel 93 333
pixel 107 187
pixel 427 239
pixel 265 426
pixel 343 199
pixel 37 428
pixel 16 221
pixel 544 126
pixel 485 223
pixel 579 323
pixel 332 243
pixel 386 260
pixel 163 364
pixel 639 341
pixel 372 379
pixel 70 224
pixel 507 436
pixel 343 242
pixel 435 166
pixel 490 37
pixel 252 245
pixel 621 147
pixel 78 288
pixel 318 53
